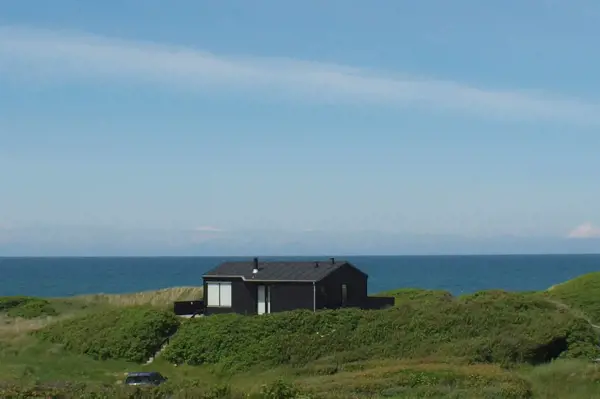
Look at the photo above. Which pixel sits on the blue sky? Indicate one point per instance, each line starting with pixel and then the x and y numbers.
pixel 197 126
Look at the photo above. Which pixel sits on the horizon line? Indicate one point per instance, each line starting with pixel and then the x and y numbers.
pixel 449 255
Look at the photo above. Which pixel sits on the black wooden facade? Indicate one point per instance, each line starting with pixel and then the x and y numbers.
pixel 183 308
pixel 287 286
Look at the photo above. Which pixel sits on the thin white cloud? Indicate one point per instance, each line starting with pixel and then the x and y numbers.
pixel 211 229
pixel 55 55
pixel 202 234
pixel 585 230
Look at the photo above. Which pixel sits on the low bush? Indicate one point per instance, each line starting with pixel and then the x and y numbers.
pixel 580 293
pixel 277 390
pixel 162 298
pixel 133 334
pixel 422 380
pixel 573 379
pixel 491 327
pixel 26 307
pixel 404 295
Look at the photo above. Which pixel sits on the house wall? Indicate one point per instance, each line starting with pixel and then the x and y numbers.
pixel 243 297
pixel 291 296
pixel 329 290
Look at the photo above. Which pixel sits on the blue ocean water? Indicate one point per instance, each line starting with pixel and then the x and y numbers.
pixel 52 277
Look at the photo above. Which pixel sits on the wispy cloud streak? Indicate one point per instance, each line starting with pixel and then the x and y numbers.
pixel 68 55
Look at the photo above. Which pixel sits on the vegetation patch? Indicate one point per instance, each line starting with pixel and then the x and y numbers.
pixel 133 333
pixel 158 298
pixel 184 390
pixel 581 293
pixel 565 379
pixel 404 295
pixel 423 380
pixel 26 307
pixel 488 327
pixel 491 344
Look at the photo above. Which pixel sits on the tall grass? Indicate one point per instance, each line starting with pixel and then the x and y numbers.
pixel 564 379
pixel 159 298
pixel 12 328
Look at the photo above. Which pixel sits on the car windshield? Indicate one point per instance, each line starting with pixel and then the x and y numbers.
pixel 140 379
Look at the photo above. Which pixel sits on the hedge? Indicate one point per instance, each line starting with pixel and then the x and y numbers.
pixel 132 334
pixel 489 327
pixel 26 307
pixel 189 389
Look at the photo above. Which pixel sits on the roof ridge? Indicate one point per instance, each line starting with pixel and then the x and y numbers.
pixel 277 270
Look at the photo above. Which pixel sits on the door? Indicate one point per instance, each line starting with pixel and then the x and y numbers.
pixel 264 299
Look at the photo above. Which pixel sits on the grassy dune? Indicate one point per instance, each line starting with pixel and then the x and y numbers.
pixel 164 297
pixel 21 315
pixel 581 294
pixel 407 295
pixel 490 344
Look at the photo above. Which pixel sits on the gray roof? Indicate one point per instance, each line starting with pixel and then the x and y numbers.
pixel 278 270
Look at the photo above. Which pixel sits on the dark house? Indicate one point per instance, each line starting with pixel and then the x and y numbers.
pixel 258 287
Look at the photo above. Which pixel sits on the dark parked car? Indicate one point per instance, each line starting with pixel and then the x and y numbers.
pixel 150 378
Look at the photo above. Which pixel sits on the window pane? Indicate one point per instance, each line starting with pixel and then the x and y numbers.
pixel 226 294
pixel 212 294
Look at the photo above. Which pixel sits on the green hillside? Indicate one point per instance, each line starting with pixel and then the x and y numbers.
pixel 490 344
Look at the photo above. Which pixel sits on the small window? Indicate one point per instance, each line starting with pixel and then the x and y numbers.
pixel 218 294
pixel 344 294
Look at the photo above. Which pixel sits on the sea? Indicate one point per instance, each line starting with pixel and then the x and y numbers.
pixel 60 277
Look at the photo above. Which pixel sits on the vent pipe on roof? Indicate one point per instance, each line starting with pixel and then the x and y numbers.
pixel 332 261
pixel 316 264
pixel 255 268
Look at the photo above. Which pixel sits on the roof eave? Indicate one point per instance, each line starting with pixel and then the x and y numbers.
pixel 258 280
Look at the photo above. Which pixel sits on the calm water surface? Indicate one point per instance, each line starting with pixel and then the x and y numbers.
pixel 458 274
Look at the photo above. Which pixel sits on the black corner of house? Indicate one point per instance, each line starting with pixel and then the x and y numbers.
pixel 379 302
pixel 188 308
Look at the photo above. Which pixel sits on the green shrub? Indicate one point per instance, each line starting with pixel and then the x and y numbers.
pixel 581 293
pixel 495 327
pixel 64 390
pixel 279 390
pixel 168 390
pixel 404 295
pixel 132 334
pixel 395 379
pixel 26 307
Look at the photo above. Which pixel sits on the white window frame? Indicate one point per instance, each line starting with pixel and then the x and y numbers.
pixel 221 288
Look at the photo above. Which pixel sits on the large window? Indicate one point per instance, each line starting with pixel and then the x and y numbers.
pixel 218 294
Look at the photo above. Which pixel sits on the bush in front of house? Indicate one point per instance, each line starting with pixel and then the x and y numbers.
pixel 133 334
pixel 26 307
pixel 489 327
